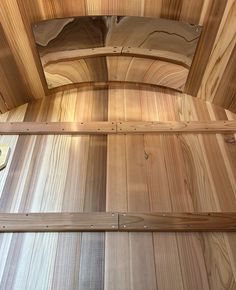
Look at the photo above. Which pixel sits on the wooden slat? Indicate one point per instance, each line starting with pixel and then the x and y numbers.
pixel 62 56
pixel 175 126
pixel 165 222
pixel 58 222
pixel 61 128
pixel 104 221
pixel 27 128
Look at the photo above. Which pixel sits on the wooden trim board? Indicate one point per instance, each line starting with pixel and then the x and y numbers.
pixel 105 221
pixel 60 128
pixel 189 222
pixel 58 222
pixel 46 128
pixel 168 56
pixel 176 127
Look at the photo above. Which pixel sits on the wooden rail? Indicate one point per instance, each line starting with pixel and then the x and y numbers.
pixel 105 221
pixel 168 56
pixel 177 222
pixel 58 222
pixel 47 128
pixel 176 127
pixel 71 128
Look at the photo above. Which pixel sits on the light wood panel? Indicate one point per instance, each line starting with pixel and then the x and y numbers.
pixel 30 191
pixel 225 95
pixel 221 54
pixel 172 174
pixel 145 173
pixel 12 90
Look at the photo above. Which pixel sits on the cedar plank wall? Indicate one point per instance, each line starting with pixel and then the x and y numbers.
pixel 215 47
pixel 12 90
pixel 146 172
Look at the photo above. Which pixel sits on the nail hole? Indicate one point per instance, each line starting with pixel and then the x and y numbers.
pixel 27 214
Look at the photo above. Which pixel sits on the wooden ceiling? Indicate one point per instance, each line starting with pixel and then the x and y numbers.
pixel 212 74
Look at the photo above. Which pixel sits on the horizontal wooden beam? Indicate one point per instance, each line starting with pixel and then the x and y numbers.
pixel 58 222
pixel 72 128
pixel 105 221
pixel 60 128
pixel 163 55
pixel 177 222
pixel 177 127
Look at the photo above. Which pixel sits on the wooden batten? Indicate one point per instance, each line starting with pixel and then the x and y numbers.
pixel 104 221
pixel 72 128
pixel 58 222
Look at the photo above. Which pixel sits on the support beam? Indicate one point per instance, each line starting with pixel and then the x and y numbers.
pixel 177 127
pixel 60 128
pixel 105 221
pixel 76 128
pixel 58 222
pixel 177 222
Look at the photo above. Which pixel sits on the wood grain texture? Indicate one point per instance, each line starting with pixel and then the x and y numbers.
pixel 138 173
pixel 86 175
pixel 55 128
pixel 58 222
pixel 172 174
pixel 12 92
pixel 20 45
pixel 177 222
pixel 18 15
pixel 176 127
pixel 80 128
pixel 225 95
pixel 223 47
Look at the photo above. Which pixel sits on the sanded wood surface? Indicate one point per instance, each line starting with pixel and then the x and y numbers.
pixel 119 173
pixel 58 222
pixel 177 222
pixel 125 222
pixel 178 127
pixel 44 128
pixel 77 128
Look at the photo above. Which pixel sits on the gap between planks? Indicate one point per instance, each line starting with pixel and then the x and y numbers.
pixel 76 128
pixel 105 221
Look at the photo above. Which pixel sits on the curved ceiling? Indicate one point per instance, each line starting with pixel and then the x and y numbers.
pixel 116 48
pixel 211 75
